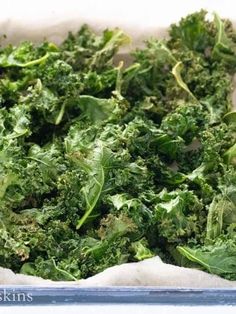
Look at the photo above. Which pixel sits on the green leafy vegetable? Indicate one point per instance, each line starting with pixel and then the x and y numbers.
pixel 97 168
pixel 176 71
pixel 218 258
pixel 102 164
pixel 225 46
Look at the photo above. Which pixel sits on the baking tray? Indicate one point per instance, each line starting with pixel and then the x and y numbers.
pixel 33 296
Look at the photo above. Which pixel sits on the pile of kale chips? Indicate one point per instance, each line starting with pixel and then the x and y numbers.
pixel 102 164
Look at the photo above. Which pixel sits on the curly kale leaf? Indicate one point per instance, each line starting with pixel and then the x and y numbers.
pixel 87 51
pixel 193 32
pixel 218 258
pixel 97 166
pixel 99 109
pixel 225 46
pixel 24 55
pixel 178 215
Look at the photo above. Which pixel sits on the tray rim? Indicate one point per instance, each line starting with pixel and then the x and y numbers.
pixel 118 295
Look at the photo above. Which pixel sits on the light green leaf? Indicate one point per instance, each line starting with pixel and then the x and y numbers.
pixel 97 167
pixel 176 71
pixel 224 48
pixel 96 109
pixel 219 259
pixel 10 61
